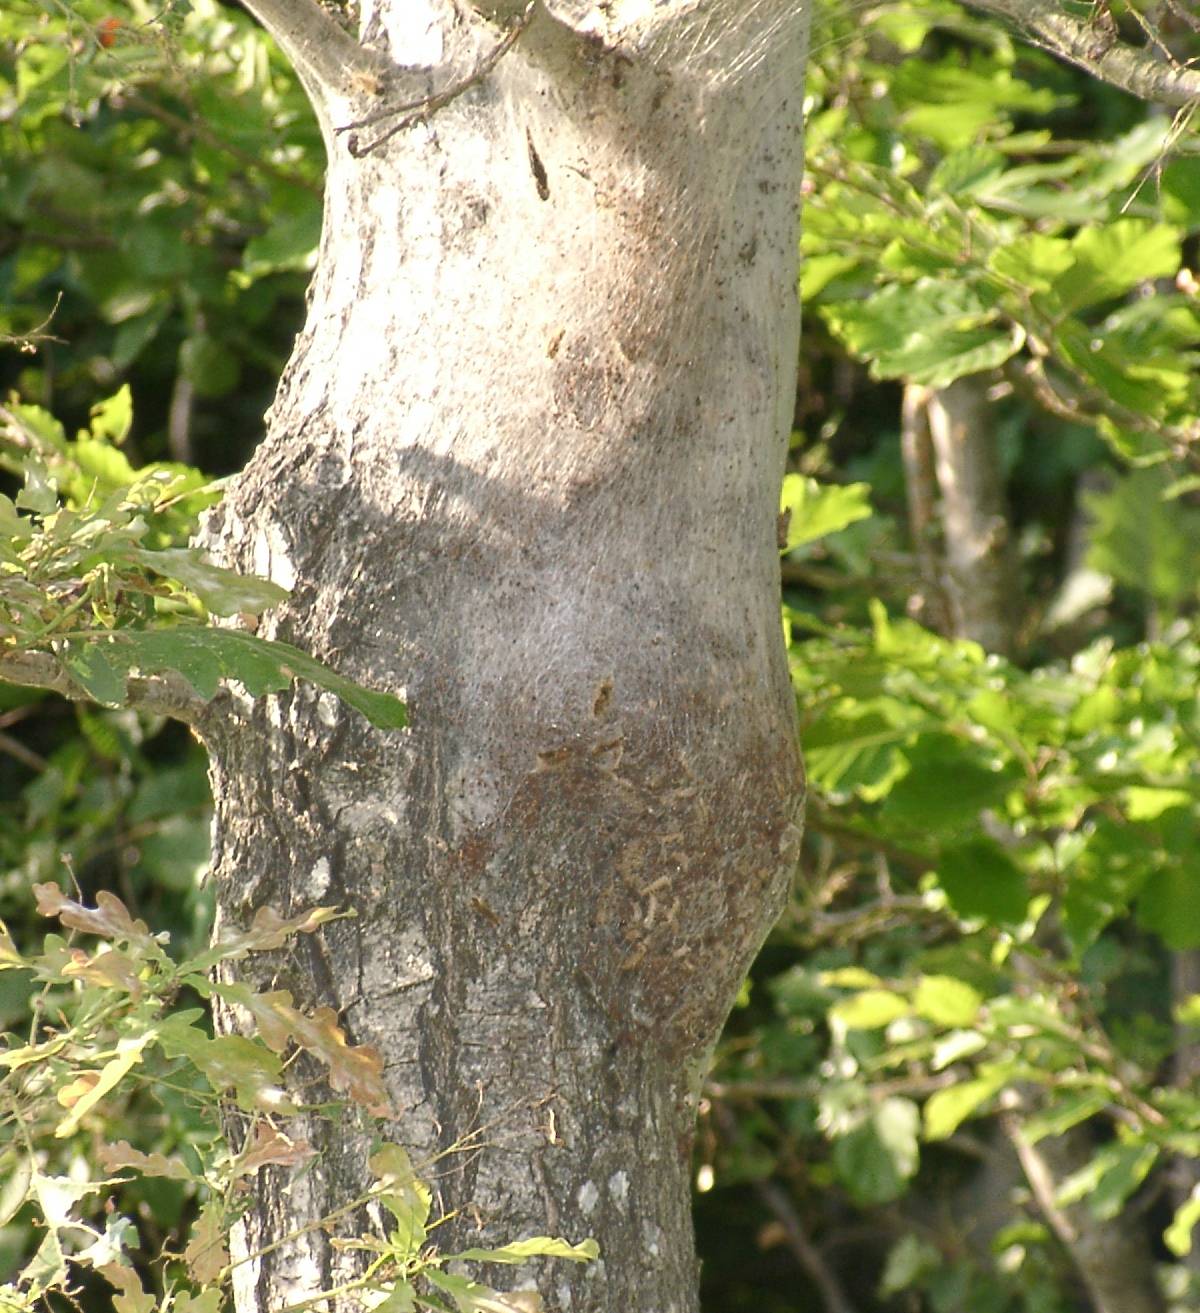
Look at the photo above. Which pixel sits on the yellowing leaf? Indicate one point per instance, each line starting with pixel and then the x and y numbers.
pixel 538 1246
pixel 114 1157
pixel 130 1297
pixel 129 1054
pixel 269 1146
pixel 69 1094
pixel 110 969
pixel 109 918
pixel 206 1255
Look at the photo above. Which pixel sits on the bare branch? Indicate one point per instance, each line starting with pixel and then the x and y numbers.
pixel 1096 48
pixel 160 695
pixel 417 111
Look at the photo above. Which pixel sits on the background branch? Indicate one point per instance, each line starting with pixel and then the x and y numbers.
pixel 1096 48
pixel 160 695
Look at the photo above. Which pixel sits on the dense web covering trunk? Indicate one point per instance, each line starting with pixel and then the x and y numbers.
pixel 524 465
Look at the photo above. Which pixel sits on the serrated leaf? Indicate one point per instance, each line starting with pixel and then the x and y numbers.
pixel 267 931
pixel 932 331
pixel 110 917
pixel 206 1255
pixel 1111 259
pixel 1032 260
pixel 116 1157
pixel 129 1296
pixel 204 655
pixel 271 1147
pixel 1067 1110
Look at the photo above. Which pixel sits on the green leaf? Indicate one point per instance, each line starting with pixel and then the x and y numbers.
pixel 112 419
pixel 980 879
pixel 1111 259
pixel 223 592
pixel 869 1009
pixel 1067 1110
pixel 877 1159
pixel 289 243
pixel 1144 542
pixel 1148 804
pixel 946 787
pixel 855 747
pixel 1178 1236
pixel 209 365
pixel 97 665
pixel 946 1110
pixel 1110 1178
pixel 957 1044
pixel 947 1001
pixel 931 332
pixel 1032 261
pixel 1169 903
pixel 908 1260
pixel 406 1197
pixel 204 655
pixel 817 510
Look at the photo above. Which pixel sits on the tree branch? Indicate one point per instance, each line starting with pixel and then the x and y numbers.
pixel 160 695
pixel 1096 48
pixel 327 58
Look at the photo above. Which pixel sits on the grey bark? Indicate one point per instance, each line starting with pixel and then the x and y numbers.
pixel 524 465
pixel 1185 1171
pixel 979 580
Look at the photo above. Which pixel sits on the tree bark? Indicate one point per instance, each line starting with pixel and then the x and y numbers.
pixel 980 575
pixel 524 465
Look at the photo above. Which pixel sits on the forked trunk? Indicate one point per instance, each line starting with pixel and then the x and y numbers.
pixel 524 464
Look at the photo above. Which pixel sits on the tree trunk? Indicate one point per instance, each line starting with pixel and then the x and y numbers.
pixel 524 465
pixel 980 575
pixel 1115 1264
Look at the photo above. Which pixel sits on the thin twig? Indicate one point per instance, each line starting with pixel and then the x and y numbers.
pixel 19 752
pixel 806 1254
pixel 418 111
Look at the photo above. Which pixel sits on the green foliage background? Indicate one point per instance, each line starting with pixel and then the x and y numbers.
pixel 998 912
